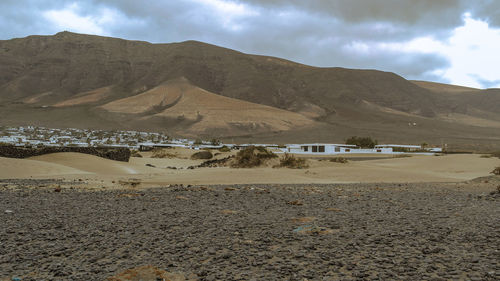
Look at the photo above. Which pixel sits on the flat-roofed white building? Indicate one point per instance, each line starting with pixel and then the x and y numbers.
pixel 328 148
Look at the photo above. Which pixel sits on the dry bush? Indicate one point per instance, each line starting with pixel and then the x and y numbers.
pixel 135 153
pixel 290 161
pixel 496 154
pixel 205 154
pixel 339 160
pixel 401 156
pixel 252 156
pixel 496 171
pixel 224 149
pixel 162 153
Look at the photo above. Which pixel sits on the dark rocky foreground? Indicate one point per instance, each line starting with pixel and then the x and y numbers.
pixel 342 232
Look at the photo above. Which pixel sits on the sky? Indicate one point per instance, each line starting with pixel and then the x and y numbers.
pixel 449 41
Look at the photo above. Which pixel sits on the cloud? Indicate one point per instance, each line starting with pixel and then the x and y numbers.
pixel 411 38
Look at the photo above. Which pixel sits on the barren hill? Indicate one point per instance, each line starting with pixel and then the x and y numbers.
pixel 180 103
pixel 89 81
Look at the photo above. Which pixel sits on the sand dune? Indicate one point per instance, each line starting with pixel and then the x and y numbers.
pixel 26 168
pixel 91 164
pixel 451 168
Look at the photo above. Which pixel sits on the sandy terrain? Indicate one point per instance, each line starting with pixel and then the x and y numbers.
pixel 179 99
pixel 154 172
pixel 86 97
pixel 328 222
pixel 444 88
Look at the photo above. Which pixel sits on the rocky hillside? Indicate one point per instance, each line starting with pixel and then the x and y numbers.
pixel 76 80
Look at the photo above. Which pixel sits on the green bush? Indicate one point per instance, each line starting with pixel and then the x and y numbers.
pixel 290 161
pixel 363 142
pixel 252 156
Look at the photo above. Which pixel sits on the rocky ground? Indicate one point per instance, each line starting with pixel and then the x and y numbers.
pixel 252 232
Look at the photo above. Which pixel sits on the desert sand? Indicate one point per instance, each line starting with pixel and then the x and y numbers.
pixel 153 172
pixel 71 216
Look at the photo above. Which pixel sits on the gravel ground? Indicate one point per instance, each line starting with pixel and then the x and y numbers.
pixel 246 232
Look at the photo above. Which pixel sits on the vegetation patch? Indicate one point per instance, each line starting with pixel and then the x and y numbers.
pixel 202 155
pixel 292 162
pixel 252 156
pixel 496 171
pixel 402 156
pixel 224 149
pixel 339 160
pixel 162 153
pixel 363 142
pixel 135 153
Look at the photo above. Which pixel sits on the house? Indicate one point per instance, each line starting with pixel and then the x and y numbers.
pixel 409 148
pixel 401 147
pixel 328 148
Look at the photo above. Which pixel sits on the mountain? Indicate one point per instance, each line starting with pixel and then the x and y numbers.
pixel 200 90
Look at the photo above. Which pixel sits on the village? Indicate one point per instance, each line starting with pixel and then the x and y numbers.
pixel 30 136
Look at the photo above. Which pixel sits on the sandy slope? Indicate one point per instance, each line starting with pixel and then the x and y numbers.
pixel 86 97
pixel 444 88
pixel 26 168
pixel 91 164
pixel 179 100
pixel 452 168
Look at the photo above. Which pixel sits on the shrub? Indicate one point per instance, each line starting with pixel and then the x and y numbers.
pixel 162 153
pixel 224 149
pixel 252 156
pixel 339 160
pixel 496 154
pixel 290 161
pixel 363 142
pixel 496 171
pixel 202 155
pixel 135 153
pixel 402 156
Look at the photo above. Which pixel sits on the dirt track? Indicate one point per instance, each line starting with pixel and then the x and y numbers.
pixel 356 232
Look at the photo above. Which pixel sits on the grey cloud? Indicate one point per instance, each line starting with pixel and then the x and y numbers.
pixel 313 32
pixel 488 10
pixel 485 83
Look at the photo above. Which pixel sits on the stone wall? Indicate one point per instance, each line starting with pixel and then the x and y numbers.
pixel 117 154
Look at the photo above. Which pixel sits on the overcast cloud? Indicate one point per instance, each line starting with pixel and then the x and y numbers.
pixel 452 41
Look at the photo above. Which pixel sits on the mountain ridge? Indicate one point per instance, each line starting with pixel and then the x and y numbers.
pixel 45 77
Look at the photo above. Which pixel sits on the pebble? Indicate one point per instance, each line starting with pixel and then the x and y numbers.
pixel 408 232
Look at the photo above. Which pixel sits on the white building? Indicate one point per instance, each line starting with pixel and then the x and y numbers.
pixel 328 148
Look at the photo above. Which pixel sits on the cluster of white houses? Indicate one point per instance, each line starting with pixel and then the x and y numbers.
pixel 31 136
